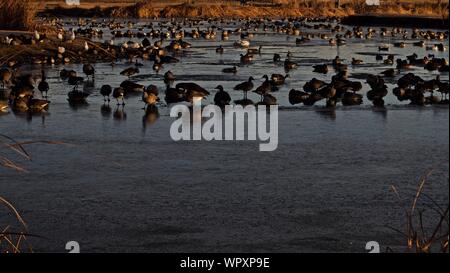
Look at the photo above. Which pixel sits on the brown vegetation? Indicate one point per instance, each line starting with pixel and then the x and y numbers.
pixel 14 237
pixel 28 53
pixel 17 14
pixel 279 8
pixel 418 237
pixel 276 8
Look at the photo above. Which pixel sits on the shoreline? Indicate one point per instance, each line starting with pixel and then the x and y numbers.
pixel 144 10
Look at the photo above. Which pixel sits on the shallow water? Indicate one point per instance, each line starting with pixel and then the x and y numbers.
pixel 121 184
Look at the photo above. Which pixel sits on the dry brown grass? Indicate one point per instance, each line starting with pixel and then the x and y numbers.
pixel 17 14
pixel 14 241
pixel 281 8
pixel 255 8
pixel 418 238
pixel 14 238
pixel 26 53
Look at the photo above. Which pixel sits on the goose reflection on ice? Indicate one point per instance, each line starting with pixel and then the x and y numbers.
pixel 150 117
pixel 105 110
pixel 119 113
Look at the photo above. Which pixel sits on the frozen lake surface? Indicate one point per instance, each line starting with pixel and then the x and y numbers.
pixel 122 184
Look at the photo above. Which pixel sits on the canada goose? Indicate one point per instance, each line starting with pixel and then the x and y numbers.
pixel 376 95
pixel 130 87
pixel 276 58
pixel 222 97
pixel 242 43
pixel 341 41
pixel 337 61
pixel 118 93
pixel 20 104
pixel 106 91
pixel 77 97
pixel 444 68
pixel 21 91
pixel 169 77
pixel 130 71
pixel 3 106
pixel 268 99
pixel 230 70
pixel 37 105
pixel 150 97
pixel 5 76
pixel 296 96
pixel 220 50
pixel 138 64
pixel 389 72
pixel 440 47
pixel 174 95
pixel 74 80
pixel 389 60
pixel 321 68
pixel 383 48
pixel 356 61
pixel 312 99
pixel 403 64
pixel 278 79
pixel 246 59
pixel 264 88
pixel 302 40
pixel 419 44
pixel 350 98
pixel 157 66
pixel 43 85
pixel 37 36
pixel 328 91
pixel 64 73
pixel 254 50
pixel 245 86
pixel 313 85
pixel 355 86
pixel 399 44
pixel 89 70
pixel 192 90
pixel 288 65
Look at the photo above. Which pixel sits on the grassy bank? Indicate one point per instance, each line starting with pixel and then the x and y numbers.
pixel 17 14
pixel 276 8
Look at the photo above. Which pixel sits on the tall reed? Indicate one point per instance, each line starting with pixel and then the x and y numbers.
pixel 417 236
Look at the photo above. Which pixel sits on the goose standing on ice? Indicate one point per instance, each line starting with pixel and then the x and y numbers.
pixel 43 85
pixel 106 91
pixel 222 97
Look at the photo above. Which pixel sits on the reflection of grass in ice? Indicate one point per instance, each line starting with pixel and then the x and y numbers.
pixel 12 241
pixel 418 238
